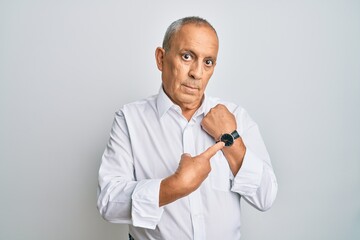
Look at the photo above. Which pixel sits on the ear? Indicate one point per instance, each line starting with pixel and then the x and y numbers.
pixel 159 57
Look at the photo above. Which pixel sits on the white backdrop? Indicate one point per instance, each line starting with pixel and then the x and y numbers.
pixel 67 66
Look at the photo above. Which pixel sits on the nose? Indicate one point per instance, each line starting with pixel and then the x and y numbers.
pixel 196 70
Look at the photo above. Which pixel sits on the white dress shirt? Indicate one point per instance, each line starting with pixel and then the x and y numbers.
pixel 146 141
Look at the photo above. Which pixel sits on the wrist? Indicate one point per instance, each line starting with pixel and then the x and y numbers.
pixel 229 138
pixel 235 155
pixel 171 189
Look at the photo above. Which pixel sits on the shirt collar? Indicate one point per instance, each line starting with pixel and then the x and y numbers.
pixel 164 103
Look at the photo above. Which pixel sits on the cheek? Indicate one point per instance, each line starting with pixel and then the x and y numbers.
pixel 172 77
pixel 179 70
pixel 179 74
pixel 207 78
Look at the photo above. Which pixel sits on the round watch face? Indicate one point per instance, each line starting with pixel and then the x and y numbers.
pixel 227 139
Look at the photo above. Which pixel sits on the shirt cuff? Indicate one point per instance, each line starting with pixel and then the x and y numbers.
pixel 248 179
pixel 145 210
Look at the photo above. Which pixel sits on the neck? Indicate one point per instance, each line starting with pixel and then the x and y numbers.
pixel 187 110
pixel 188 113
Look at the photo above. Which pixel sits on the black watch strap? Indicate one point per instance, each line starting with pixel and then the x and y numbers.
pixel 235 134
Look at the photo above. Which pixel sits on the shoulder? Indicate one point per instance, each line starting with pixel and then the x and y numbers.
pixel 140 106
pixel 233 107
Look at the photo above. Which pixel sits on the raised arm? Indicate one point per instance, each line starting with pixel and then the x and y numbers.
pixel 248 159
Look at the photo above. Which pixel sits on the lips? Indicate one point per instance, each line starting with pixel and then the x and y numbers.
pixel 191 87
pixel 191 90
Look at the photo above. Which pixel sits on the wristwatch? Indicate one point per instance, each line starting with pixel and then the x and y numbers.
pixel 229 139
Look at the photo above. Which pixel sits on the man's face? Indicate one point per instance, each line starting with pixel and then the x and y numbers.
pixel 188 65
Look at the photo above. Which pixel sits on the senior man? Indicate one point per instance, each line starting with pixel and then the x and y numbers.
pixel 178 163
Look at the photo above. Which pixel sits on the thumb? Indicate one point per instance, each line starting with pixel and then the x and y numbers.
pixel 211 151
pixel 185 155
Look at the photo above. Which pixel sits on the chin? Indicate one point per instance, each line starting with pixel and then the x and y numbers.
pixel 190 99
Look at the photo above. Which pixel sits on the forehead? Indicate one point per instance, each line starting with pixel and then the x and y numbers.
pixel 200 39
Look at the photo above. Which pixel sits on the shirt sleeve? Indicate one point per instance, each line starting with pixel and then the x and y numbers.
pixel 122 199
pixel 255 181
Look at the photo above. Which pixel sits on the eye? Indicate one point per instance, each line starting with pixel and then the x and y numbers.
pixel 186 56
pixel 209 62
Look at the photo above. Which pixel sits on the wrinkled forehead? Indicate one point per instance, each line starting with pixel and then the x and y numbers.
pixel 197 38
pixel 193 26
pixel 195 33
pixel 188 30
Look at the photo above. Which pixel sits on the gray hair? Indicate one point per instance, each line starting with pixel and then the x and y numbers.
pixel 178 24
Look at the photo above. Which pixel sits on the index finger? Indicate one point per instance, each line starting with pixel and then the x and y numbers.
pixel 211 151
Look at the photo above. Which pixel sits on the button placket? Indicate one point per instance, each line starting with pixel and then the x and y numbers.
pixel 195 197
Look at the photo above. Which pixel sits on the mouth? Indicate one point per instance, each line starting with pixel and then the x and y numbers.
pixel 190 89
pixel 190 86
